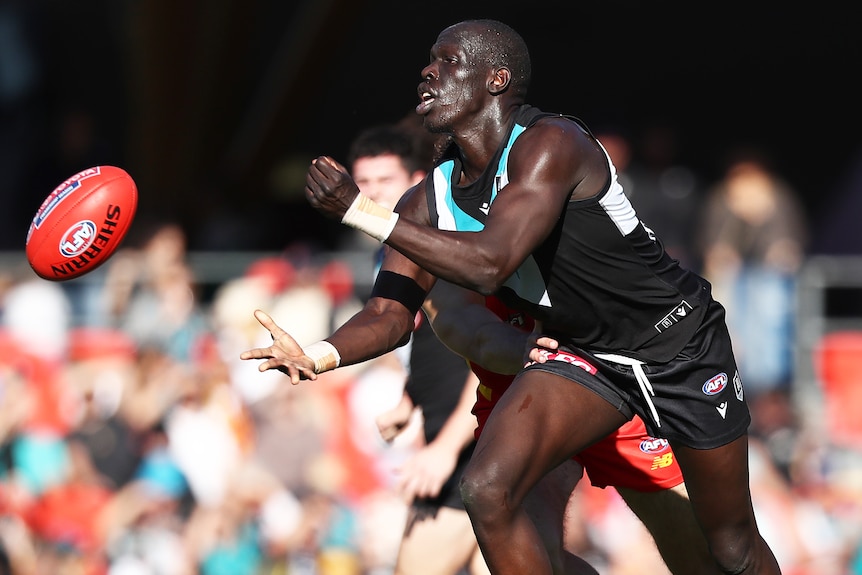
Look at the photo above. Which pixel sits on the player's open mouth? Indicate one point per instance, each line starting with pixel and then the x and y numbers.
pixel 425 104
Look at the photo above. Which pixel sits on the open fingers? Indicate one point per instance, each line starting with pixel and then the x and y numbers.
pixel 267 322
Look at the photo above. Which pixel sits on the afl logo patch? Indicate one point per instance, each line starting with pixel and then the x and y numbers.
pixel 654 445
pixel 715 385
pixel 78 238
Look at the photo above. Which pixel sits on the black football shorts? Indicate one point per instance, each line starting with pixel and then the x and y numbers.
pixel 696 399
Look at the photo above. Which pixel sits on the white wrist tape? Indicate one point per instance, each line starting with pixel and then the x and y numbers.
pixel 324 354
pixel 365 215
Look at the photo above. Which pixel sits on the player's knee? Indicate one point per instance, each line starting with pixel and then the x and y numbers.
pixel 734 555
pixel 484 494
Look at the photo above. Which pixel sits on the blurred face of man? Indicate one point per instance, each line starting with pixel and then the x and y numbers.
pixel 384 178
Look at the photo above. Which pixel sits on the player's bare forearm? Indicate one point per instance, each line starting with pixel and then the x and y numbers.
pixel 381 326
pixel 475 260
pixel 480 261
pixel 465 325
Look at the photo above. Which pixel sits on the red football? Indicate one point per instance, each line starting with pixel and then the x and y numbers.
pixel 81 223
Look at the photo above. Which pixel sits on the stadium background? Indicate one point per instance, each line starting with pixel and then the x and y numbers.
pixel 216 107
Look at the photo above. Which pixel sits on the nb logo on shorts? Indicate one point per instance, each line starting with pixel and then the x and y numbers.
pixel 570 358
pixel 662 461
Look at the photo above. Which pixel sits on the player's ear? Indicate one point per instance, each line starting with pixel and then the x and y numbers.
pixel 500 80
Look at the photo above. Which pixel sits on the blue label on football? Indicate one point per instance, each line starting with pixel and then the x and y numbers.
pixel 60 193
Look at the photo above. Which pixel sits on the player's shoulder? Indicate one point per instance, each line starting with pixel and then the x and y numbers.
pixel 571 126
pixel 413 204
pixel 558 136
pixel 559 146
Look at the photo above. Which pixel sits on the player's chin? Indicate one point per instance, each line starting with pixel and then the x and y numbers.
pixel 433 126
pixel 433 121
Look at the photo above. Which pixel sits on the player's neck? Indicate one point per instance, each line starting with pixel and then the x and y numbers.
pixel 478 144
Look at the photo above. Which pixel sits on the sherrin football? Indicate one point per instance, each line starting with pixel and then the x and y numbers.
pixel 81 223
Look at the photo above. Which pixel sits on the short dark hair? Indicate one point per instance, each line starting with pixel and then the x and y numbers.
pixel 385 140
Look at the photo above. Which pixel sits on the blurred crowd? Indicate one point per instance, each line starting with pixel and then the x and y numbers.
pixel 133 441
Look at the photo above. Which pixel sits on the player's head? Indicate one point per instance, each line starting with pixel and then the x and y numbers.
pixel 474 64
pixel 385 163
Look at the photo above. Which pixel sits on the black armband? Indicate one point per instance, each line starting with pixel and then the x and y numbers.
pixel 390 285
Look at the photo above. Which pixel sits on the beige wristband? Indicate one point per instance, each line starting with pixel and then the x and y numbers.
pixel 324 354
pixel 365 215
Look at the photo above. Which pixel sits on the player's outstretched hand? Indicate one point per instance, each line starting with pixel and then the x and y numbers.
pixel 284 354
pixel 329 187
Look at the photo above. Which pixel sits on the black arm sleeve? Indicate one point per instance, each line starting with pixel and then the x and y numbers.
pixel 402 289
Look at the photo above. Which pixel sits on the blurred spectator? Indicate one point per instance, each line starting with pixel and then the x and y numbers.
pixel 206 433
pixel 235 327
pixel 753 240
pixel 150 250
pixel 151 294
pixel 807 540
pixel 37 314
pixel 36 322
pixel 101 367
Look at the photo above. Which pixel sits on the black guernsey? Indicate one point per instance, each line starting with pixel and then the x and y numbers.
pixel 601 281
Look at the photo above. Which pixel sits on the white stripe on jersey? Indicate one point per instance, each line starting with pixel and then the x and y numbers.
pixel 445 217
pixel 528 283
pixel 616 204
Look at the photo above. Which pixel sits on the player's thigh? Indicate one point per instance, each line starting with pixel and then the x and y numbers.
pixel 442 544
pixel 717 484
pixel 668 516
pixel 540 421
